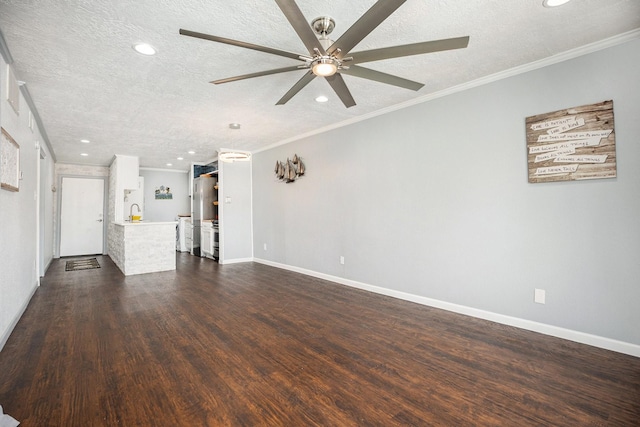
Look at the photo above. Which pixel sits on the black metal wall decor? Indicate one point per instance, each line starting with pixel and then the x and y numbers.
pixel 289 170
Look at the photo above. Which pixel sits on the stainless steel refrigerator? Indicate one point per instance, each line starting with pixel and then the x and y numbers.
pixel 203 198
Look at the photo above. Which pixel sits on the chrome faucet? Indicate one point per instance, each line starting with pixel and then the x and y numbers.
pixel 131 211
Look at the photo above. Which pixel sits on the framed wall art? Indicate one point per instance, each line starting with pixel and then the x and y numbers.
pixel 163 193
pixel 9 163
pixel 573 144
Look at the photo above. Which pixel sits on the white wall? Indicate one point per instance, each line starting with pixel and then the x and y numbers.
pixel 19 239
pixel 164 209
pixel 132 197
pixel 432 202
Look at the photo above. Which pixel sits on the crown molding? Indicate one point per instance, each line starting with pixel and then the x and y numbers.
pixel 4 49
pixel 551 60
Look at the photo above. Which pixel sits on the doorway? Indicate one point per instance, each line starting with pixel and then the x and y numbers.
pixel 82 215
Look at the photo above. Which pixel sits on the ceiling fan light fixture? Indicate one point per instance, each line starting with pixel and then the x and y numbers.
pixel 322 98
pixel 324 67
pixel 325 58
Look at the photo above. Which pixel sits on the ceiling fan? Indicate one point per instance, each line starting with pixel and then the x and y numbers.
pixel 330 59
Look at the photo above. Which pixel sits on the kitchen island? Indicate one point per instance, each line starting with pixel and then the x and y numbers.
pixel 143 247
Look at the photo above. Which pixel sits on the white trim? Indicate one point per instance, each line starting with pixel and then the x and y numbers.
pixel 554 331
pixel 554 59
pixel 105 211
pixel 163 170
pixel 235 261
pixel 221 216
pixel 99 165
pixel 251 206
pixel 16 318
pixel 39 192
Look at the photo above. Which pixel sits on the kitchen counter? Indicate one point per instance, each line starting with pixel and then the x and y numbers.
pixel 143 222
pixel 143 246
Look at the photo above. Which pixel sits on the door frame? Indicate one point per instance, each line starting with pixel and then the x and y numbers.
pixel 41 214
pixel 105 208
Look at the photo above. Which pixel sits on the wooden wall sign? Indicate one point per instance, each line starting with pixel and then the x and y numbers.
pixel 573 144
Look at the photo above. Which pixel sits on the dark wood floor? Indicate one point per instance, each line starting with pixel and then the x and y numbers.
pixel 250 345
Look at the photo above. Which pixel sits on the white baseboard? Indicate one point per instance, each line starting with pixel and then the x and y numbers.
pixel 235 261
pixel 554 331
pixel 16 318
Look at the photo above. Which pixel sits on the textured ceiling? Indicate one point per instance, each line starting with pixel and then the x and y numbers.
pixel 88 83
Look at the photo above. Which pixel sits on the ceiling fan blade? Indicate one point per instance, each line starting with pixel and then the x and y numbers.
pixel 340 88
pixel 258 74
pixel 241 44
pixel 378 76
pixel 409 49
pixel 299 23
pixel 363 26
pixel 305 80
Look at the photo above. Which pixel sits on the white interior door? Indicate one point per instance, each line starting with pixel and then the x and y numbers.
pixel 81 216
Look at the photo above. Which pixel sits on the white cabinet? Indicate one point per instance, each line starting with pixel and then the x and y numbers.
pixel 183 237
pixel 188 231
pixel 209 240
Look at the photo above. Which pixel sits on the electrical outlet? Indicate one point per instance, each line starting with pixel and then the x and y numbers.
pixel 341 260
pixel 265 246
pixel 539 296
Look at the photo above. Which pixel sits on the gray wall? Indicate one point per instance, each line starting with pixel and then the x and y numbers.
pixel 235 215
pixel 163 209
pixel 433 201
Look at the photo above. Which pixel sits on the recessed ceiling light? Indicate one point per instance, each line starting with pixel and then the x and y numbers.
pixel 234 125
pixel 180 158
pixel 322 98
pixel 85 141
pixel 192 152
pixel 144 49
pixel 554 3
pixel 169 164
pixel 84 154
